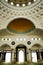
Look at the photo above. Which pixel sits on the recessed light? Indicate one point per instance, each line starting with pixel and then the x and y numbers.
pixel 39 38
pixel 6 0
pixel 6 39
pixel 29 3
pixel 35 38
pixel 2 39
pixel 20 39
pixel 17 4
pixel 17 39
pixel 32 39
pixel 34 0
pixel 9 39
pixel 23 5
pixel 11 3
pixel 24 39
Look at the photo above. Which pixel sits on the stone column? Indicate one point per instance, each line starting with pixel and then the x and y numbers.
pixel 27 54
pixel 12 55
pixel 1 56
pixel 30 57
pixel 40 56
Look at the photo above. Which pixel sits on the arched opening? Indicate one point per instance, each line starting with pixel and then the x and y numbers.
pixel 36 47
pixel 20 26
pixel 5 47
pixel 5 53
pixel 36 52
pixel 20 53
pixel 21 56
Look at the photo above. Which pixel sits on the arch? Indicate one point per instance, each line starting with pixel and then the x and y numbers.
pixel 5 47
pixel 36 47
pixel 20 25
pixel 20 45
pixel 19 48
pixel 25 17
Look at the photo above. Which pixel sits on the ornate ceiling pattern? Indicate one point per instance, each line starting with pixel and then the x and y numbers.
pixel 34 12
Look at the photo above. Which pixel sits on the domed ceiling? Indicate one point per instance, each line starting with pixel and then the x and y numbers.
pixel 20 26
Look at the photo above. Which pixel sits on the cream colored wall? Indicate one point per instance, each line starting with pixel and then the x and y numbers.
pixel 30 13
pixel 17 42
pixel 13 38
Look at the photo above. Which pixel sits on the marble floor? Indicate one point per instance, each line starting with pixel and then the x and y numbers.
pixel 39 63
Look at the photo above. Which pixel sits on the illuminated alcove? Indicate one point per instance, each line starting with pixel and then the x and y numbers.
pixel 5 53
pixel 37 52
pixel 21 53
pixel 21 56
pixel 20 26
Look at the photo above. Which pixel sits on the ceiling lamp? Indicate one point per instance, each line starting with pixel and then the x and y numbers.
pixel 12 3
pixel 9 39
pixel 39 38
pixel 23 5
pixel 32 39
pixel 34 0
pixel 20 39
pixel 5 39
pixel 35 38
pixel 20 2
pixel 2 39
pixel 29 3
pixel 6 0
pixel 17 5
pixel 17 39
pixel 24 39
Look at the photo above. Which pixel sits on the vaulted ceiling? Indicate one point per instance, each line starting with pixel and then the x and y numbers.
pixel 20 25
pixel 32 12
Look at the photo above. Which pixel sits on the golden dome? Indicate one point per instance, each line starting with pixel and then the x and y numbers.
pixel 20 25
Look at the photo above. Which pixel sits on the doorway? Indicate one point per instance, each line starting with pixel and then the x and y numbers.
pixel 42 55
pixel 21 53
pixel 5 56
pixel 34 56
pixel 8 57
pixel 21 56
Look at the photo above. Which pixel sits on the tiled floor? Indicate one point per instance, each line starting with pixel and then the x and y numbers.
pixel 21 63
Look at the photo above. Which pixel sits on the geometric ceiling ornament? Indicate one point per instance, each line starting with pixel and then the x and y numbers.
pixel 28 42
pixel 13 43
pixel 21 26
